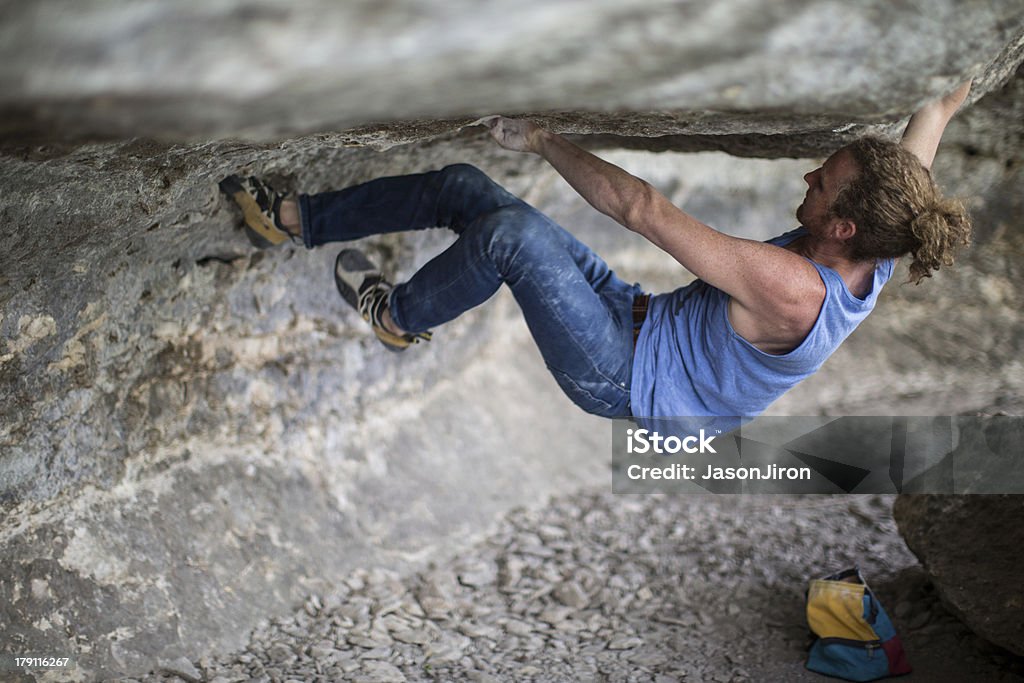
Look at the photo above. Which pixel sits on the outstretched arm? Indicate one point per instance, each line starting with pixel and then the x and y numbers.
pixel 927 125
pixel 758 276
pixel 608 188
pixel 628 200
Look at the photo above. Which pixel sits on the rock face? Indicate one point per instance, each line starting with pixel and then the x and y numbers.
pixel 970 546
pixel 744 73
pixel 196 434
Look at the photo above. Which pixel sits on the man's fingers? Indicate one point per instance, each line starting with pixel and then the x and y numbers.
pixel 509 133
pixel 488 121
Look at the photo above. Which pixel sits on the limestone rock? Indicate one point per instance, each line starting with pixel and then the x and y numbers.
pixel 194 435
pixel 970 546
pixel 184 669
pixel 750 75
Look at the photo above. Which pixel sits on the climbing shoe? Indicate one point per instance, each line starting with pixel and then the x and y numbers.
pixel 362 285
pixel 261 208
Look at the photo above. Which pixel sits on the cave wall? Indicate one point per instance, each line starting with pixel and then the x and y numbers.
pixel 196 434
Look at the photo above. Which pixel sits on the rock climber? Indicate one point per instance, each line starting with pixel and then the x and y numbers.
pixel 759 318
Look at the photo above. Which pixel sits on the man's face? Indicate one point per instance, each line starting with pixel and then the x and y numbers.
pixel 823 186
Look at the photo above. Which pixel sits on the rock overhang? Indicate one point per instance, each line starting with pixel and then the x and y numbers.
pixel 152 349
pixel 753 77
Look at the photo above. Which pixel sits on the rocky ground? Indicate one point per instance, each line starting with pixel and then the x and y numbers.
pixel 599 587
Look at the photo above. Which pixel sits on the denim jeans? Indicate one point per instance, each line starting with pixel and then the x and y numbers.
pixel 578 311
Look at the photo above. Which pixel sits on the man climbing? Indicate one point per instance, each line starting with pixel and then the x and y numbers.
pixel 761 316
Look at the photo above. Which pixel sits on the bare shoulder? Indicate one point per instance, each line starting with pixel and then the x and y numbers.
pixel 775 293
pixel 779 280
pixel 780 307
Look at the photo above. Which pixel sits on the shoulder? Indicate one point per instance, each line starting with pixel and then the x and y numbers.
pixel 785 309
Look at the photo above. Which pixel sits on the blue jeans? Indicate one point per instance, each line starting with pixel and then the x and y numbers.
pixel 578 311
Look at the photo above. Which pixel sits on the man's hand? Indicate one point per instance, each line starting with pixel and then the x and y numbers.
pixel 518 135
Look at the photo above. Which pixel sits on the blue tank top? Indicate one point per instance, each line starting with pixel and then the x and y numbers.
pixel 690 362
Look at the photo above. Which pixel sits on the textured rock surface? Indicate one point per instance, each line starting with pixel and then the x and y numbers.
pixel 970 546
pixel 783 73
pixel 195 434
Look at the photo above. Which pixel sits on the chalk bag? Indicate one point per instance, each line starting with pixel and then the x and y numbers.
pixel 855 637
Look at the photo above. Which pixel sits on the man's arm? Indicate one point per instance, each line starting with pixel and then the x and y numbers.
pixel 927 125
pixel 607 188
pixel 760 277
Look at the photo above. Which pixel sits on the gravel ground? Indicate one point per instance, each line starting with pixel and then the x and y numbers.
pixel 598 587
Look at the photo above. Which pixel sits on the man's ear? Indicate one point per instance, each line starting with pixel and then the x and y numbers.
pixel 843 228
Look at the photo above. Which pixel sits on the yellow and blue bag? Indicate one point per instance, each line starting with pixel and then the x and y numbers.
pixel 855 637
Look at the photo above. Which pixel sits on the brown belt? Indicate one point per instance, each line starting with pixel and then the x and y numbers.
pixel 639 314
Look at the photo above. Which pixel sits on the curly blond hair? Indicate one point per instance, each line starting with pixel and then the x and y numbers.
pixel 899 210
